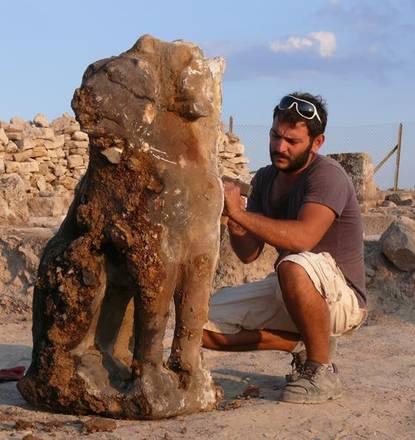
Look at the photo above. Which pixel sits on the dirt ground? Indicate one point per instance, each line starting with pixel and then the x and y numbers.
pixel 377 364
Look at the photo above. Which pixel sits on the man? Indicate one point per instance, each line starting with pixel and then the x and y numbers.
pixel 305 206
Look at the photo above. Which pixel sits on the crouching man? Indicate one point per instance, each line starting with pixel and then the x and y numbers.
pixel 305 206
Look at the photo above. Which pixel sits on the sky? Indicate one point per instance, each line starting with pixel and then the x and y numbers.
pixel 358 54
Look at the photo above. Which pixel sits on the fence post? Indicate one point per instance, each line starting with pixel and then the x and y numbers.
pixel 398 158
pixel 230 124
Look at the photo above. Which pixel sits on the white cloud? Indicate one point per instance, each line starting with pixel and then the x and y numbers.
pixel 322 42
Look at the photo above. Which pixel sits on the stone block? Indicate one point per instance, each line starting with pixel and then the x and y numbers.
pixel 26 143
pixel 15 135
pixel 238 160
pixel 41 183
pixel 50 177
pixel 226 155
pixel 3 137
pixel 39 152
pixel 40 120
pixel 18 122
pixel 28 167
pixel 359 167
pixel 12 167
pixel 376 223
pixel 80 151
pixel 59 124
pixel 60 170
pixel 22 156
pixel 44 167
pixel 40 133
pixel 13 200
pixel 75 144
pixel 11 147
pixel 60 153
pixel 80 136
pixel 235 147
pixel 53 206
pixel 398 244
pixel 69 183
pixel 75 161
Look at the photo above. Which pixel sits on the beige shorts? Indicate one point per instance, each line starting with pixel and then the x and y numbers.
pixel 259 305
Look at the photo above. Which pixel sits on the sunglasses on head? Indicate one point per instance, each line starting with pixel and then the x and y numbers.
pixel 305 109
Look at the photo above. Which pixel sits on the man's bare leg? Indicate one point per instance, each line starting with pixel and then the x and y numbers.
pixel 248 340
pixel 308 310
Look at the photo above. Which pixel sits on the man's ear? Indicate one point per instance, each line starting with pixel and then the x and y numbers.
pixel 317 143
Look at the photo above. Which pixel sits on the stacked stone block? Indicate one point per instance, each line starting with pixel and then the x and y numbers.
pixel 232 162
pixel 49 157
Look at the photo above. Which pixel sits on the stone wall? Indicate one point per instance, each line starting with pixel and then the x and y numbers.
pixel 50 157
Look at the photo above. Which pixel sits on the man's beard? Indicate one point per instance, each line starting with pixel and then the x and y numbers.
pixel 296 163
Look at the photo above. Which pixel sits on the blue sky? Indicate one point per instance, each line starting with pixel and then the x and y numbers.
pixel 359 55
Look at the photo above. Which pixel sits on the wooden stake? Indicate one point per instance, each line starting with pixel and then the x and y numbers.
pixel 398 158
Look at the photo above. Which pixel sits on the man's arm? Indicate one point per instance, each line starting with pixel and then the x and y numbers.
pixel 245 245
pixel 298 235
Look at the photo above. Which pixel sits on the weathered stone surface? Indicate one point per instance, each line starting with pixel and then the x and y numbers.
pixel 52 206
pixel 18 123
pixel 40 120
pixel 75 160
pixel 398 244
pixel 23 156
pixel 399 199
pixel 137 233
pixel 13 200
pixel 360 168
pixel 20 250
pixel 80 136
pixel 376 223
pixel 11 147
pixel 236 148
pixel 3 137
pixel 15 135
pixel 231 271
pixel 25 143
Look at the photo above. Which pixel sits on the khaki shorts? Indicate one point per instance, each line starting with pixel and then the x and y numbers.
pixel 260 305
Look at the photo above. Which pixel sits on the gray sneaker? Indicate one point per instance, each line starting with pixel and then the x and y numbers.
pixel 317 383
pixel 299 358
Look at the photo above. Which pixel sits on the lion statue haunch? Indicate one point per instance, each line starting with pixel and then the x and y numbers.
pixel 143 228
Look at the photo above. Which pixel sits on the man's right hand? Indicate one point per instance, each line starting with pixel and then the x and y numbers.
pixel 235 228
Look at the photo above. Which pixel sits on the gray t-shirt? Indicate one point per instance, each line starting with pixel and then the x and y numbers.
pixel 324 181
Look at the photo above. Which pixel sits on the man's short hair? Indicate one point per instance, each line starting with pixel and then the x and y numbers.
pixel 290 116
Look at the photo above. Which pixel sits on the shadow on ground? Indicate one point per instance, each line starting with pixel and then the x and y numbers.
pixel 236 382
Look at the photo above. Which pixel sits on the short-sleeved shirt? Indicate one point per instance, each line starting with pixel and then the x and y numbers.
pixel 325 182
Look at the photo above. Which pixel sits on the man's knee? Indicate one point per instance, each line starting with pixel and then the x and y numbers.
pixel 294 280
pixel 290 272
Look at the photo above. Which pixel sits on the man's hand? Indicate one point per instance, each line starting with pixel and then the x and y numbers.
pixel 233 199
pixel 235 228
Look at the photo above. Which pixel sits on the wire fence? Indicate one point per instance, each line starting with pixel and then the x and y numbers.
pixel 376 140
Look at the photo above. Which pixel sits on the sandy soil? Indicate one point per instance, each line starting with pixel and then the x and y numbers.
pixel 377 364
